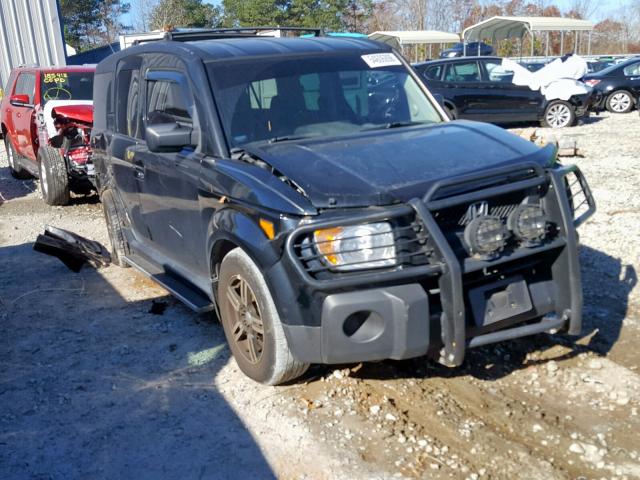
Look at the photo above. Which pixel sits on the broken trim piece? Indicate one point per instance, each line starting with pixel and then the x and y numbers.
pixel 72 249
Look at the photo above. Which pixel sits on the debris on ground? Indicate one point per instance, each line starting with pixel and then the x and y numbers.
pixel 72 249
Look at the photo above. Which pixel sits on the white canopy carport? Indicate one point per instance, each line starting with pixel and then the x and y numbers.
pixel 397 39
pixel 501 28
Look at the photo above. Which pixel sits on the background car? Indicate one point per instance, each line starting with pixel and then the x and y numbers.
pixel 619 85
pixel 472 50
pixel 45 117
pixel 480 89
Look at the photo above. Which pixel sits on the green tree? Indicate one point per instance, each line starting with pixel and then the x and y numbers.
pixel 254 13
pixel 90 23
pixel 184 13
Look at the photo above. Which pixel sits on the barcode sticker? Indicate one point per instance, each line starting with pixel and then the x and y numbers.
pixel 377 60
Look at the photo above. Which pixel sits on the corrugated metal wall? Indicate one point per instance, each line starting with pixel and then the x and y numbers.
pixel 30 33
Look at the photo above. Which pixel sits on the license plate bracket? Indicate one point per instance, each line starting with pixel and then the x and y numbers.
pixel 500 301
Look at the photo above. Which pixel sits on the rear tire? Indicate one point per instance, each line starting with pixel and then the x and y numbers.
pixel 620 101
pixel 252 324
pixel 558 114
pixel 451 111
pixel 15 169
pixel 115 228
pixel 54 179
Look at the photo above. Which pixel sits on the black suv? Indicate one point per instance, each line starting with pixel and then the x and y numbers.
pixel 481 89
pixel 313 193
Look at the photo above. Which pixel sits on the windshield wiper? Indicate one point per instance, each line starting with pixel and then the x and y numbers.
pixel 390 125
pixel 287 138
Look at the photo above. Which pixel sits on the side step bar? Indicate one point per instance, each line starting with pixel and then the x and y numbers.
pixel 546 324
pixel 190 296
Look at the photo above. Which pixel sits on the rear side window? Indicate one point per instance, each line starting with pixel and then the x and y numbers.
pixel 632 70
pixel 103 108
pixel 463 72
pixel 433 73
pixel 167 103
pixel 128 119
pixel 26 85
pixel 496 73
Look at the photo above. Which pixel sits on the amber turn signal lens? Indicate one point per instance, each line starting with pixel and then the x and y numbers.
pixel 268 228
pixel 325 243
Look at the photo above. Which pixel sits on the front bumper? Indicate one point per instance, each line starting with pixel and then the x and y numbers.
pixel 440 307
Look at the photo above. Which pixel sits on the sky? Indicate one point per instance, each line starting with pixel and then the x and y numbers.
pixel 604 9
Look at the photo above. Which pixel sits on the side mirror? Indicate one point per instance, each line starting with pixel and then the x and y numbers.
pixel 19 100
pixel 168 137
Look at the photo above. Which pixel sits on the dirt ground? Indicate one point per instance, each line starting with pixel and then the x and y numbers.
pixel 102 375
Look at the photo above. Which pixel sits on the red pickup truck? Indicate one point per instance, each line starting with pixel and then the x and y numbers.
pixel 46 117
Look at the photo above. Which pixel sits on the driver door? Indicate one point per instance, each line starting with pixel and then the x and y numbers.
pixel 169 188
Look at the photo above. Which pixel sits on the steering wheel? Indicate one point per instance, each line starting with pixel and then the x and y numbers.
pixel 56 93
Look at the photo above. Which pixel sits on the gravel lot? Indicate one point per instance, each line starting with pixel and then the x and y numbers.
pixel 93 385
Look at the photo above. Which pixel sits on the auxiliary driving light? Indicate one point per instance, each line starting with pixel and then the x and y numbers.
pixel 529 223
pixel 485 235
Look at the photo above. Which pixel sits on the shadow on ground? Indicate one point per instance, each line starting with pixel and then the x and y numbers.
pixel 94 386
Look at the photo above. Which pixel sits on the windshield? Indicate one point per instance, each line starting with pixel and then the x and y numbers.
pixel 282 99
pixel 66 86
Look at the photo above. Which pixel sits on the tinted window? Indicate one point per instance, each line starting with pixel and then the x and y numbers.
pixel 433 73
pixel 167 103
pixel 495 72
pixel 128 118
pixel 66 86
pixel 26 85
pixel 463 72
pixel 317 96
pixel 103 108
pixel 632 70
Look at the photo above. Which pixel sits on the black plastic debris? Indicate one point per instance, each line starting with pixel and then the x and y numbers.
pixel 157 307
pixel 72 249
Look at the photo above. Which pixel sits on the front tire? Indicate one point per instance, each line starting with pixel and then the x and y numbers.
pixel 16 171
pixel 115 229
pixel 54 179
pixel 620 101
pixel 558 114
pixel 252 324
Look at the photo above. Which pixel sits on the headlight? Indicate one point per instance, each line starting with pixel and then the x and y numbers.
pixel 485 235
pixel 529 223
pixel 357 247
pixel 452 54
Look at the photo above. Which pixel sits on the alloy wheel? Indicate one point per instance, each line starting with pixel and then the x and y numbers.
pixel 10 158
pixel 620 102
pixel 559 116
pixel 247 328
pixel 43 179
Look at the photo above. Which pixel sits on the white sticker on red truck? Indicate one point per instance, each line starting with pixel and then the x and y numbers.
pixel 377 60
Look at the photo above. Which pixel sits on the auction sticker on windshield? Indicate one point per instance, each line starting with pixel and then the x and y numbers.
pixel 377 60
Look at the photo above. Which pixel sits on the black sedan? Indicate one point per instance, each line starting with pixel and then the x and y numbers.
pixel 619 85
pixel 480 89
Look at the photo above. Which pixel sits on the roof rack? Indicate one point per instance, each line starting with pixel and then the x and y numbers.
pixel 223 33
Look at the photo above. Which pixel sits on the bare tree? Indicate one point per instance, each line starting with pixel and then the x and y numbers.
pixel 141 11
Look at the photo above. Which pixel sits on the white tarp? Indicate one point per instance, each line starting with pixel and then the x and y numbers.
pixel 556 80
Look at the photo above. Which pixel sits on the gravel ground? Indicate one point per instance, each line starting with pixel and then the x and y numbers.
pixel 93 385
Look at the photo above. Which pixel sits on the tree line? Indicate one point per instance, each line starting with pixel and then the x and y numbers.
pixel 90 23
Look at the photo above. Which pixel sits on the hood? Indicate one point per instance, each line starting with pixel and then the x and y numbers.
pixel 392 166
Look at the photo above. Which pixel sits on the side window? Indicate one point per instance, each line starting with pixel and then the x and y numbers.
pixel 128 119
pixel 26 85
pixel 167 102
pixel 495 72
pixel 632 70
pixel 311 90
pixel 463 72
pixel 433 73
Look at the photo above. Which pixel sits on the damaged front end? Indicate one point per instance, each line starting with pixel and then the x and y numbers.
pixel 479 259
pixel 67 127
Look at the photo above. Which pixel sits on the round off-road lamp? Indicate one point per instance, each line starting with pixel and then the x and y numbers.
pixel 528 222
pixel 485 235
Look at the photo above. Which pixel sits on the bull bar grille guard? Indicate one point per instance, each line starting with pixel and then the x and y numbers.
pixel 568 184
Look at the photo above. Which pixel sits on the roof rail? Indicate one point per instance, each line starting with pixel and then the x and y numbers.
pixel 223 33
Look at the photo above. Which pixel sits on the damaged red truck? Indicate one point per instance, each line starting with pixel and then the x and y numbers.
pixel 46 117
